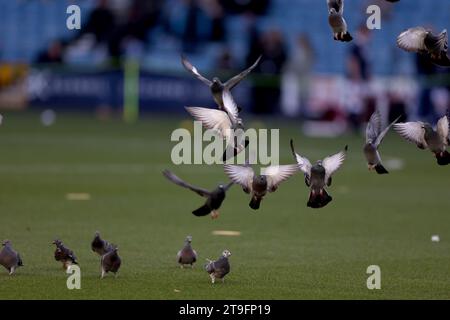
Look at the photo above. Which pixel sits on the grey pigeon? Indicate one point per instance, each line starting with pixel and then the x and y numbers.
pixel 214 198
pixel 64 254
pixel 111 262
pixel 9 258
pixel 423 41
pixel 216 86
pixel 187 255
pixel 425 137
pixel 337 21
pixel 259 185
pixel 374 137
pixel 226 123
pixel 318 176
pixel 99 245
pixel 220 268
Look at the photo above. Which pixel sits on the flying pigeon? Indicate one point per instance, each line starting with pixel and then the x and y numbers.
pixel 64 254
pixel 337 21
pixel 110 262
pixel 216 86
pixel 425 42
pixel 226 123
pixel 425 137
pixel 187 255
pixel 99 245
pixel 214 198
pixel 220 268
pixel 9 258
pixel 374 137
pixel 318 176
pixel 259 185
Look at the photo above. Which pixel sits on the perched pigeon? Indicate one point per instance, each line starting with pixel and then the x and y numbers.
pixel 226 123
pixel 374 137
pixel 318 176
pixel 220 268
pixel 425 137
pixel 337 21
pixel 111 262
pixel 187 255
pixel 259 185
pixel 214 198
pixel 99 245
pixel 216 86
pixel 9 258
pixel 425 42
pixel 64 255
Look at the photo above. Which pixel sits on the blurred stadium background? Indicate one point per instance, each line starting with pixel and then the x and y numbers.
pixel 302 74
pixel 124 67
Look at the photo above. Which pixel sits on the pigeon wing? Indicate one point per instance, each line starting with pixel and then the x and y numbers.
pixel 277 174
pixel 373 129
pixel 384 132
pixel 213 119
pixel 230 105
pixel 240 175
pixel 443 129
pixel 413 39
pixel 303 163
pixel 189 67
pixel 338 5
pixel 175 179
pixel 230 84
pixel 333 163
pixel 413 132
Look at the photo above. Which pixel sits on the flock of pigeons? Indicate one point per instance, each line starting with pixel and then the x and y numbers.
pixel 417 39
pixel 109 262
pixel 318 176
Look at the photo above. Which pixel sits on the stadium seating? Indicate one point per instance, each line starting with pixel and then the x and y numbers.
pixel 28 26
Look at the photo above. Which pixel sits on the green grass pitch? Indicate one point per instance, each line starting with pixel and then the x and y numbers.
pixel 285 251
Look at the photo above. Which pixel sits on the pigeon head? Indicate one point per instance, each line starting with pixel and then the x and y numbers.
pixel 97 234
pixel 427 127
pixel 226 253
pixel 188 239
pixel 261 179
pixel 333 11
pixel 57 242
pixel 6 243
pixel 216 80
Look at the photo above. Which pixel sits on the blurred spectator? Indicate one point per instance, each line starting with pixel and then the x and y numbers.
pixel 297 77
pixel 362 102
pixel 425 71
pixel 272 47
pixel 100 23
pixel 52 54
pixel 258 7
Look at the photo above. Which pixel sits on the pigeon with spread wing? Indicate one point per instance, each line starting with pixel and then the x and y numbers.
pixel 374 137
pixel 424 41
pixel 318 176
pixel 425 137
pixel 258 185
pixel 214 198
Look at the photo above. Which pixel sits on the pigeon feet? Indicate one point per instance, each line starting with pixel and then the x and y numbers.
pixel 214 214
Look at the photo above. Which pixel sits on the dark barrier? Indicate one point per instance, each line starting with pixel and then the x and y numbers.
pixel 83 89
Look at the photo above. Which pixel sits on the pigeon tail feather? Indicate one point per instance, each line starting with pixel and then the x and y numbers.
pixel 202 211
pixel 443 158
pixel 255 203
pixel 380 169
pixel 319 199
